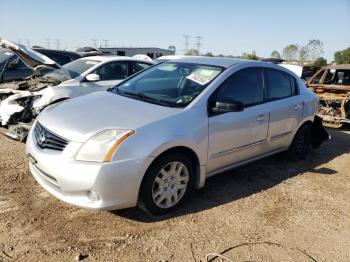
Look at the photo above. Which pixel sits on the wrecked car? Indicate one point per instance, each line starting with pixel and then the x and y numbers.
pixel 332 85
pixel 21 101
pixel 13 68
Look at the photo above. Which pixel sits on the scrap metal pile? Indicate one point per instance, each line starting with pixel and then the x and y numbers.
pixel 332 85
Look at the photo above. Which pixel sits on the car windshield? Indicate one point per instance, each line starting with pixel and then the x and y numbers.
pixel 79 66
pixel 173 84
pixel 4 55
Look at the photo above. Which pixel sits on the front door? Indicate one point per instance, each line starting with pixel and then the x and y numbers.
pixel 239 136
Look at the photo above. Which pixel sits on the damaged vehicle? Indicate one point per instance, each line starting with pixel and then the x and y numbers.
pixel 160 134
pixel 332 85
pixel 13 68
pixel 21 101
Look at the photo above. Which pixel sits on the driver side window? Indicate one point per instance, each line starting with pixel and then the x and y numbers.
pixel 245 86
pixel 112 71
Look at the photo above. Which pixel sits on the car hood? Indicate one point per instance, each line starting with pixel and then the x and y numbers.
pixel 80 118
pixel 31 58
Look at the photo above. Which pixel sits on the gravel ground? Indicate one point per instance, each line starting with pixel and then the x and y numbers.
pixel 272 210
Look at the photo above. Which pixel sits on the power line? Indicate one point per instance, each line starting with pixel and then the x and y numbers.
pixel 186 42
pixel 48 42
pixel 106 42
pixel 198 43
pixel 57 43
pixel 94 41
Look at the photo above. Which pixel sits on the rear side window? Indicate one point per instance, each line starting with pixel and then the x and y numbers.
pixel 135 67
pixel 280 85
pixel 245 86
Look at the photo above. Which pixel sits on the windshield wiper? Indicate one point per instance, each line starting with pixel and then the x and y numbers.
pixel 144 97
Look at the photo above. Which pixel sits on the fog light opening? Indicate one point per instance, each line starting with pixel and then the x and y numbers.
pixel 93 196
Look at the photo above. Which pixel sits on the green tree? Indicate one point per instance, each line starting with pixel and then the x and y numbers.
pixel 320 62
pixel 342 57
pixel 208 54
pixel 290 52
pixel 303 54
pixel 251 56
pixel 192 52
pixel 314 49
pixel 275 54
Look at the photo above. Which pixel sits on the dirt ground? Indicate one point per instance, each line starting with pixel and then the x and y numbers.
pixel 272 210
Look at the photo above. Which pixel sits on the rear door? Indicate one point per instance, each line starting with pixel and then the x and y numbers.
pixel 135 67
pixel 239 136
pixel 286 107
pixel 110 74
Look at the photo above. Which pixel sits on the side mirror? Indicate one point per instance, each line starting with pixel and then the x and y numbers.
pixel 92 78
pixel 226 106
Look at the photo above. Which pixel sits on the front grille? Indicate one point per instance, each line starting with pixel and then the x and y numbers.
pixel 45 139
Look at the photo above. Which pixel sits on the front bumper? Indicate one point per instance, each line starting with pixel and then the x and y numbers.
pixel 100 186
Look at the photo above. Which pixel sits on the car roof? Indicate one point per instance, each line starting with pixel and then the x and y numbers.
pixel 109 58
pixel 214 61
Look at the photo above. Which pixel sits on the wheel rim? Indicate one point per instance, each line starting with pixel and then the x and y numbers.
pixel 170 184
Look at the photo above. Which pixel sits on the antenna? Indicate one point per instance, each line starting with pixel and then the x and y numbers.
pixel 186 43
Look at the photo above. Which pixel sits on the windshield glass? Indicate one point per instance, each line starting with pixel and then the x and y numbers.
pixel 171 83
pixel 4 55
pixel 77 67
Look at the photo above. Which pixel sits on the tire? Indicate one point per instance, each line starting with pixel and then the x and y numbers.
pixel 169 176
pixel 301 144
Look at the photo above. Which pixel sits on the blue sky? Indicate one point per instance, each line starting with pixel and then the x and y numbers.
pixel 227 27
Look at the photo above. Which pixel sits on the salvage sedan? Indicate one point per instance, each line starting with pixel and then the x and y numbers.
pixel 21 101
pixel 157 136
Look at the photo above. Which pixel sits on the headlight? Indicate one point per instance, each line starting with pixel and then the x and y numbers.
pixel 101 147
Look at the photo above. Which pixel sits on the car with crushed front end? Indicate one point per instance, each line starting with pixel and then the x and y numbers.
pixel 22 100
pixel 157 136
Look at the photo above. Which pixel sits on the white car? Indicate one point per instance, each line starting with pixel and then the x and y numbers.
pixel 21 101
pixel 162 132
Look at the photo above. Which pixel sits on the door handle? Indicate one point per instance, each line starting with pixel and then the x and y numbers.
pixel 261 118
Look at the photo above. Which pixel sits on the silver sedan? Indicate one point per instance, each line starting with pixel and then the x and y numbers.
pixel 161 133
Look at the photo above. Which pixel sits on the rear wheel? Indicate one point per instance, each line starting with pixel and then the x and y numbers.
pixel 301 144
pixel 167 183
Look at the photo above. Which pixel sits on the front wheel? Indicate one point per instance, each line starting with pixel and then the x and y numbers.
pixel 167 183
pixel 300 146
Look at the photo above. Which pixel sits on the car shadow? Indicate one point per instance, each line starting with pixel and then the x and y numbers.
pixel 252 178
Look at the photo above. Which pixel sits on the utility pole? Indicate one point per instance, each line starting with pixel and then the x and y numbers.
pixel 48 40
pixel 57 43
pixel 186 43
pixel 19 41
pixel 28 42
pixel 198 43
pixel 94 41
pixel 106 42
